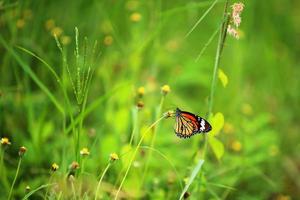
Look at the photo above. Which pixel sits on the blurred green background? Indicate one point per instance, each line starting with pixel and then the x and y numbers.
pixel 143 44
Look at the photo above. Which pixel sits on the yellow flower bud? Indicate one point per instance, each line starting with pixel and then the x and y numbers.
pixel 114 156
pixel 165 89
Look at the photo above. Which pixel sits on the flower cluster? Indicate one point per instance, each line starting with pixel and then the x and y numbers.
pixel 237 9
pixel 236 20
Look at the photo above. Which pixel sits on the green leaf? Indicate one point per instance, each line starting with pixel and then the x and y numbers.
pixel 223 77
pixel 217 123
pixel 217 146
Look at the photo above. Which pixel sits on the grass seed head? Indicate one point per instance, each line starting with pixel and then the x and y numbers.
pixel 140 104
pixel 57 31
pixel 22 151
pixel 74 165
pixel 233 32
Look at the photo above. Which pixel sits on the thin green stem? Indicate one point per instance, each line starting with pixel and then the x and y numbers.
pixel 3 176
pixel 73 189
pixel 100 181
pixel 135 152
pixel 14 181
pixel 135 125
pixel 222 37
pixel 221 41
pixel 168 160
pixel 47 190
pixel 158 113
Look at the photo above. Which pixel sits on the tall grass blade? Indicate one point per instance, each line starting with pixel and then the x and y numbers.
pixel 201 18
pixel 37 189
pixel 192 177
pixel 33 76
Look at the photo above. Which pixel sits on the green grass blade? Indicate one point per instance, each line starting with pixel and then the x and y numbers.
pixel 167 159
pixel 37 189
pixel 34 77
pixel 201 18
pixel 192 177
pixel 43 61
pixel 94 105
pixel 207 44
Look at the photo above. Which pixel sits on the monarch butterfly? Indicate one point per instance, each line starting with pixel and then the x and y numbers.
pixel 188 124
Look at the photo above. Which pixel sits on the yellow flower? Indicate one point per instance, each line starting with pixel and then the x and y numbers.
pixel 56 31
pixel 135 17
pixel 54 167
pixel 114 156
pixel 84 152
pixel 236 146
pixel 50 24
pixel 141 91
pixel 165 89
pixel 5 141
pixel 20 23
pixel 65 40
pixel 108 40
pixel 22 151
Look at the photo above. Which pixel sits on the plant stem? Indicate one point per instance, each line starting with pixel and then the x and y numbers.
pixel 134 154
pixel 47 190
pixel 158 113
pixel 3 175
pixel 100 181
pixel 221 42
pixel 135 126
pixel 14 181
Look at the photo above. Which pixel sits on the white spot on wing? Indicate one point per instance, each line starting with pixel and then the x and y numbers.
pixel 202 123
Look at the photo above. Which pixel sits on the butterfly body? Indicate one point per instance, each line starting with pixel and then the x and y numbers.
pixel 188 124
